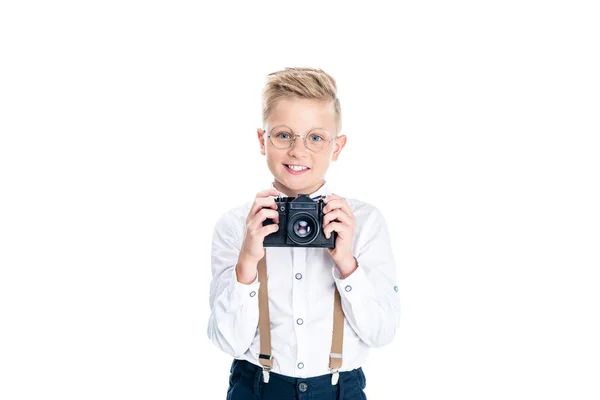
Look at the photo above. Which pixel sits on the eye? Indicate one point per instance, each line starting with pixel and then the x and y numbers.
pixel 282 135
pixel 316 138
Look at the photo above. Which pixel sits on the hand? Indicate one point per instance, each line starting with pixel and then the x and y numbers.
pixel 252 246
pixel 339 218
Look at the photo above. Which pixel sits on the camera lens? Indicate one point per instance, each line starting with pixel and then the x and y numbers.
pixel 302 228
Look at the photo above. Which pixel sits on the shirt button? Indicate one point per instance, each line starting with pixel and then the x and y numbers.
pixel 396 288
pixel 302 387
pixel 252 293
pixel 300 365
pixel 299 321
pixel 348 288
pixel 298 276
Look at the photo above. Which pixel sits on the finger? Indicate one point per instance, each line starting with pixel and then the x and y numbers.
pixel 261 216
pixel 262 202
pixel 339 204
pixel 338 214
pixel 268 192
pixel 335 226
pixel 267 230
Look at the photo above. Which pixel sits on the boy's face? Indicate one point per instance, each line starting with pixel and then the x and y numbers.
pixel 301 116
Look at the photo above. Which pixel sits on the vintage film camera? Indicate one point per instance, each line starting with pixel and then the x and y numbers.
pixel 300 223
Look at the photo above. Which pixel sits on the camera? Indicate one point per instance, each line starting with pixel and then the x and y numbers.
pixel 300 224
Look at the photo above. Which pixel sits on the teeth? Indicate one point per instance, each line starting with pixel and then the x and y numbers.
pixel 296 167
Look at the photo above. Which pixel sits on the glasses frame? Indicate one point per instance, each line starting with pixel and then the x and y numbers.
pixel 294 136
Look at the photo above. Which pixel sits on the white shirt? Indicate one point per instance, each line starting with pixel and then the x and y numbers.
pixel 301 294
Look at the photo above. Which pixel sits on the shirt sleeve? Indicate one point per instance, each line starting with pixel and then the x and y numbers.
pixel 370 294
pixel 234 306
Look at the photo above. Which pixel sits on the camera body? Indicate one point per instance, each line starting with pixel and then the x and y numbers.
pixel 300 224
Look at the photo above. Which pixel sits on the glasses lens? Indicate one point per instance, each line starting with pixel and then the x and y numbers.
pixel 318 140
pixel 281 137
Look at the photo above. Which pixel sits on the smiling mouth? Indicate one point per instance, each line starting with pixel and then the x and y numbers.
pixel 296 168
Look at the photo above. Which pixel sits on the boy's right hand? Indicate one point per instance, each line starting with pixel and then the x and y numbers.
pixel 252 246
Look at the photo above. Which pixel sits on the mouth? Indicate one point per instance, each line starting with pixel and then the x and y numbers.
pixel 296 169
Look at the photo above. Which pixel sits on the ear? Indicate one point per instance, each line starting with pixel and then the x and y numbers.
pixel 338 145
pixel 261 140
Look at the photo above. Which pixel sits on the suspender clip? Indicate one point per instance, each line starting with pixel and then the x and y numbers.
pixel 335 375
pixel 265 372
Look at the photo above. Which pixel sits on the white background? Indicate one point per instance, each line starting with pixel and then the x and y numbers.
pixel 128 127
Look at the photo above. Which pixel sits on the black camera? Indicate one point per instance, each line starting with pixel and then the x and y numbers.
pixel 300 224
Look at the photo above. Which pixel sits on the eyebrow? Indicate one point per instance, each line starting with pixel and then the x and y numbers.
pixel 311 129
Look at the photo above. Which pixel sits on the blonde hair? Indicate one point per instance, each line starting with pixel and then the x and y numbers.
pixel 306 83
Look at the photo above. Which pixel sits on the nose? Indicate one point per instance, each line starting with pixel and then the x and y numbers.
pixel 298 146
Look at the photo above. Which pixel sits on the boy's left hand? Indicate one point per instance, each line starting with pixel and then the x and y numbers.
pixel 339 218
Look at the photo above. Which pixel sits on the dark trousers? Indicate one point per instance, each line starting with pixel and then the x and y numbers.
pixel 246 383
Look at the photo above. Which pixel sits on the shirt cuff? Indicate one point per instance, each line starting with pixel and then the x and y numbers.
pixel 355 285
pixel 241 293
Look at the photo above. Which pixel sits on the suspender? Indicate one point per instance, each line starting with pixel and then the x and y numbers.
pixel 337 338
pixel 264 326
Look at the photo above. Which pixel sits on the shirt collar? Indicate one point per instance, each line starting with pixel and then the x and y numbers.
pixel 322 191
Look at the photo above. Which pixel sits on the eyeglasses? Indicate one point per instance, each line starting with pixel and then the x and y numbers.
pixel 317 140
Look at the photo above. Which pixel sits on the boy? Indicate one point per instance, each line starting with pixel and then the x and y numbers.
pixel 280 334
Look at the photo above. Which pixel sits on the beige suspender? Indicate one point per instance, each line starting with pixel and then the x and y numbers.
pixel 337 338
pixel 264 326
